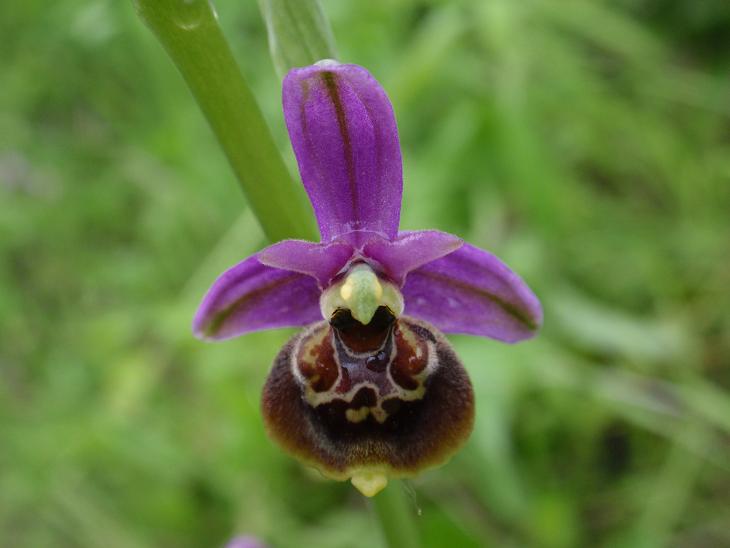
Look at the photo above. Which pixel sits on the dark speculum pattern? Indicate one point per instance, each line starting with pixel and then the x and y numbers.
pixel 390 396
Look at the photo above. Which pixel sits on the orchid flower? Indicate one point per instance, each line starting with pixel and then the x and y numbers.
pixel 370 389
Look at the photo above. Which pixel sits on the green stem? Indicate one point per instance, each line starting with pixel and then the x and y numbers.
pixel 189 31
pixel 299 33
pixel 395 513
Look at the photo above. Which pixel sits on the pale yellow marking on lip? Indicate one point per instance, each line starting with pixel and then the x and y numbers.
pixel 357 415
pixel 379 413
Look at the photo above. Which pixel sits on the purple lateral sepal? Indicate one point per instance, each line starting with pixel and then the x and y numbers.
pixel 343 131
pixel 409 251
pixel 321 261
pixel 252 296
pixel 471 291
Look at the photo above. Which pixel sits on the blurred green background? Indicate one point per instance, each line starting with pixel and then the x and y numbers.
pixel 587 143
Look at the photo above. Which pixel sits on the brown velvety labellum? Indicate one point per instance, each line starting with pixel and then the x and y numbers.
pixel 391 396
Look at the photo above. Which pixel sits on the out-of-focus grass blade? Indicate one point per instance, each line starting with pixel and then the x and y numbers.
pixel 189 31
pixel 597 327
pixel 299 33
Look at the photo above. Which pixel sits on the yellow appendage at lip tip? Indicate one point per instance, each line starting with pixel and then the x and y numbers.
pixel 369 483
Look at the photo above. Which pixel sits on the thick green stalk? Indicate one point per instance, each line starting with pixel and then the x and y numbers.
pixel 396 514
pixel 189 31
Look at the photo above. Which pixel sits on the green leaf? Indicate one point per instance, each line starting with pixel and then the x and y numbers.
pixel 299 33
pixel 189 31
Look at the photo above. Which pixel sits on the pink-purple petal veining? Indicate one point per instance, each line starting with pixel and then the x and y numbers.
pixel 471 291
pixel 343 131
pixel 252 296
pixel 319 260
pixel 410 250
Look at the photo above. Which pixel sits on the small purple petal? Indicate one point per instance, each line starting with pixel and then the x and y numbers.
pixel 321 261
pixel 252 296
pixel 410 250
pixel 471 291
pixel 344 135
pixel 245 541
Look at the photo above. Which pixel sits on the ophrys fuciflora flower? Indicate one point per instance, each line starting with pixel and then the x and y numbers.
pixel 370 388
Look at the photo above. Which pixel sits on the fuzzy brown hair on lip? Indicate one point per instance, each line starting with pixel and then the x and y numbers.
pixel 379 426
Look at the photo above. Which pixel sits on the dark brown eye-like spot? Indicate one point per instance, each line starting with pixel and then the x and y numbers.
pixel 317 363
pixel 400 400
pixel 410 359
